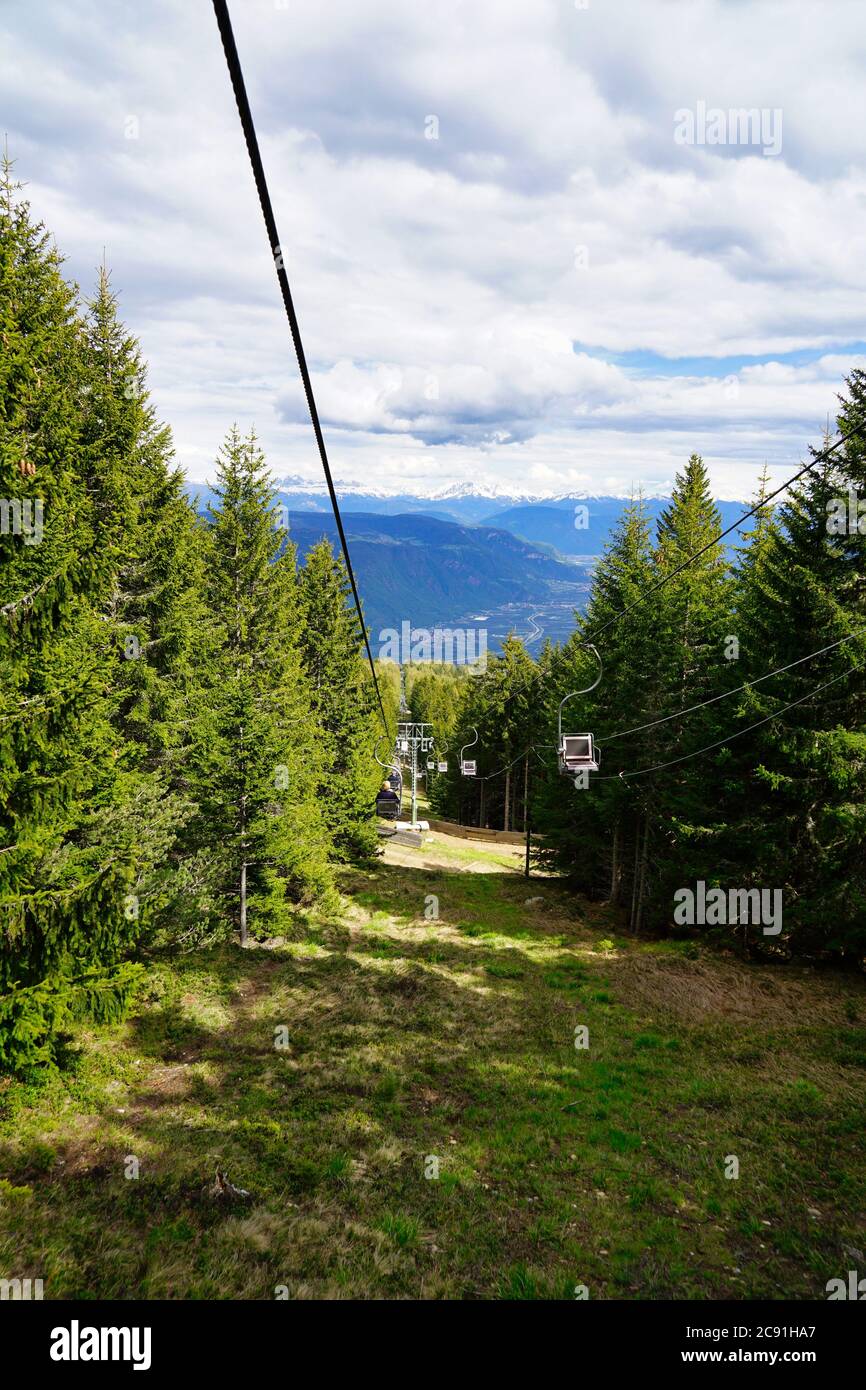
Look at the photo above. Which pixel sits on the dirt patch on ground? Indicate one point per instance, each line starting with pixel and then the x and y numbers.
pixel 706 988
pixel 487 858
pixel 165 1084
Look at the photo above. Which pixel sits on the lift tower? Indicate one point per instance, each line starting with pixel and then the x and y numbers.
pixel 412 739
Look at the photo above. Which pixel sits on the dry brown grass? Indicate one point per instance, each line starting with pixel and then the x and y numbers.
pixel 714 988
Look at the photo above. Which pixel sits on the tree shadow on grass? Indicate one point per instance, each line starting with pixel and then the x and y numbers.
pixel 404 893
pixel 399 1046
pixel 389 1050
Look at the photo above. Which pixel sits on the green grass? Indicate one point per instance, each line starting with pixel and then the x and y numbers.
pixel 430 1131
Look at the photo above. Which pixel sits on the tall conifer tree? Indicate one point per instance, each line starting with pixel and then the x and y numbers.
pixel 259 767
pixel 153 618
pixel 347 726
pixel 594 829
pixel 64 925
pixel 803 821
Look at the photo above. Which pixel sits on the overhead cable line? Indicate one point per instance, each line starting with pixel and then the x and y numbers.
pixel 500 770
pixel 249 130
pixel 711 747
pixel 819 458
pixel 638 728
pixel 686 757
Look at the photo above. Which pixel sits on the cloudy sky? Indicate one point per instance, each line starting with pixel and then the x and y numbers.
pixel 516 261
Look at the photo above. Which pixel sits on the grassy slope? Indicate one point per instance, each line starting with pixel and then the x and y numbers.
pixel 454 1038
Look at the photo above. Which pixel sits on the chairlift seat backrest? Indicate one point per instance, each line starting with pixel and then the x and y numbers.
pixel 468 767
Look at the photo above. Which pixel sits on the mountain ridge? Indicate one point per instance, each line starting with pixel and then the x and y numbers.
pixel 525 566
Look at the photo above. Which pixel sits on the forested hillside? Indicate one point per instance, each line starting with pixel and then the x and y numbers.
pixel 185 722
pixel 434 569
pixel 713 769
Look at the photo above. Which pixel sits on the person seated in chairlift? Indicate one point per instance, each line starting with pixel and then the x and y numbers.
pixel 387 793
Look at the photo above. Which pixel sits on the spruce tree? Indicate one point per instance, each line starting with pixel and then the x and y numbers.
pixel 65 920
pixel 347 727
pixel 153 619
pixel 258 754
pixel 435 694
pixel 695 607
pixel 155 606
pixel 595 827
pixel 501 705
pixel 803 824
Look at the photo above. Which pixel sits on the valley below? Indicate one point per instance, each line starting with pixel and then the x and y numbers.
pixel 548 618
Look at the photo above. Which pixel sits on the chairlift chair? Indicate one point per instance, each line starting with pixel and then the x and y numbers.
pixel 578 752
pixel 388 807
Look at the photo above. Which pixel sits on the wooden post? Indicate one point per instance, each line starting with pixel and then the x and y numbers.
pixel 243 902
pixel 634 877
pixel 526 813
pixel 243 827
pixel 614 868
pixel 642 883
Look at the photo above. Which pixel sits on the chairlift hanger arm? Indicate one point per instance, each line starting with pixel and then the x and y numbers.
pixel 469 745
pixel 565 699
pixel 389 767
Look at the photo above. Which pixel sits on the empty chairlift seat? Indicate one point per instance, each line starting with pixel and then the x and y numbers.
pixel 578 753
